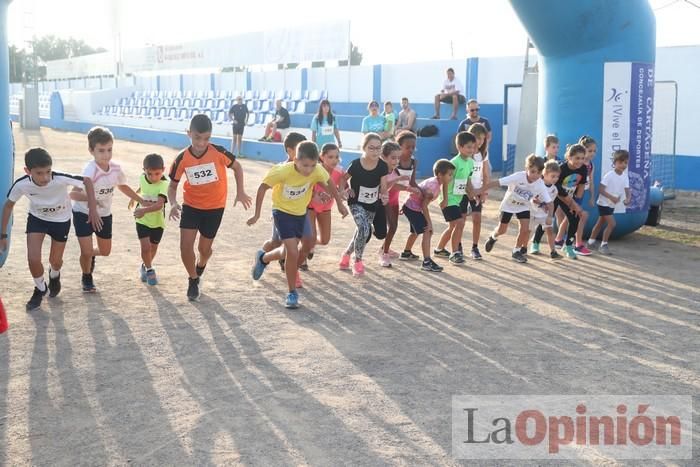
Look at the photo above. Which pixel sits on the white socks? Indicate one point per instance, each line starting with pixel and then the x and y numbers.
pixel 591 241
pixel 40 283
pixel 53 274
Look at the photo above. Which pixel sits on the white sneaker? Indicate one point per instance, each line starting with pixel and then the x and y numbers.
pixel 384 261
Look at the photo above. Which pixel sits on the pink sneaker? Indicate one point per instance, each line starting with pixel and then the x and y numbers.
pixel 358 269
pixel 393 254
pixel 298 284
pixel 581 250
pixel 344 264
pixel 385 261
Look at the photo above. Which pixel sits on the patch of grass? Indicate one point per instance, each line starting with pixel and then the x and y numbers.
pixel 689 238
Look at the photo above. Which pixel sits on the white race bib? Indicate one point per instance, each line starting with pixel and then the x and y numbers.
pixel 460 187
pixel 104 192
pixel 404 173
pixel 50 211
pixel 202 174
pixel 368 195
pixel 327 130
pixel 620 207
pixel 295 192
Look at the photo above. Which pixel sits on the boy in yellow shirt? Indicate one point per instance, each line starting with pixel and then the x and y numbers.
pixel 292 187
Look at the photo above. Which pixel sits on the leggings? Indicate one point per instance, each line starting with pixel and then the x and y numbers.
pixel 539 232
pixel 573 221
pixel 363 219
pixel 379 227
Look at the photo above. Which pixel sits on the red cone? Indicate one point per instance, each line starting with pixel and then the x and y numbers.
pixel 3 319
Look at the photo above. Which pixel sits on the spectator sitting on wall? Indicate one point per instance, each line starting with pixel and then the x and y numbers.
pixel 374 123
pixel 451 92
pixel 280 122
pixel 389 117
pixel 474 117
pixel 407 118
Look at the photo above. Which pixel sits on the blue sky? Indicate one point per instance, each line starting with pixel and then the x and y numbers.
pixel 386 32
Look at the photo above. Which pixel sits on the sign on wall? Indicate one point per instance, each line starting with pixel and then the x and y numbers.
pixel 628 108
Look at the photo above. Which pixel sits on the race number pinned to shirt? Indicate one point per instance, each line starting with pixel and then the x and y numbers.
pixel 327 130
pixel 368 195
pixel 404 173
pixel 51 212
pixel 460 187
pixel 295 192
pixel 202 174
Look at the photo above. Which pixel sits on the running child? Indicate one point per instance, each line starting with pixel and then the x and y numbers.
pixel 106 175
pixel 418 214
pixel 150 216
pixel 523 187
pixel 49 214
pixel 571 181
pixel 320 211
pixel 291 141
pixel 454 199
pixel 405 169
pixel 614 185
pixel 579 246
pixel 292 187
pixel 206 186
pixel 386 217
pixel 480 176
pixel 542 214
pixel 368 184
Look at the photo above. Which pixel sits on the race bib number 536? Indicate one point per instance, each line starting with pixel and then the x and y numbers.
pixel 202 174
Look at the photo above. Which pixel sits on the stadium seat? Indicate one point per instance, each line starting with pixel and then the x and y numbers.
pixel 291 106
pixel 198 103
pixel 176 102
pixel 184 114
pixel 324 94
pixel 187 102
pixel 210 103
pixel 301 108
pixel 251 119
pixel 221 104
pixel 172 114
pixel 314 96
pixel 250 95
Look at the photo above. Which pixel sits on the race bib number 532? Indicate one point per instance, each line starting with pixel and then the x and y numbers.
pixel 202 174
pixel 295 192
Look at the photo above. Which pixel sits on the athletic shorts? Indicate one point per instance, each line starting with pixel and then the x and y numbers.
pixel 307 232
pixel 416 219
pixel 154 234
pixel 507 216
pixel 473 206
pixel 206 221
pixel 58 231
pixel 448 99
pixel 238 129
pixel 288 225
pixel 84 229
pixel 453 213
pixel 605 210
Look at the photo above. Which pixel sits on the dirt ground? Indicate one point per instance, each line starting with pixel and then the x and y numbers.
pixel 362 374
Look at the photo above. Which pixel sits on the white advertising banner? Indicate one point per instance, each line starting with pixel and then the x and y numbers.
pixel 628 107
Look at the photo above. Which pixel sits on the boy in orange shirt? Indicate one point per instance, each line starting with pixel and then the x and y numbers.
pixel 204 166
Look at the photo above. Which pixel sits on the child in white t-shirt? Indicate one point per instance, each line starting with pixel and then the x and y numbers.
pixel 523 187
pixel 613 197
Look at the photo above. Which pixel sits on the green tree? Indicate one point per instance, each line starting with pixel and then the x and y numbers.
pixel 55 48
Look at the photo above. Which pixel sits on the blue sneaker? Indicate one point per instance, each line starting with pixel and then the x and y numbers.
pixel 259 266
pixel 151 277
pixel 292 300
pixel 142 273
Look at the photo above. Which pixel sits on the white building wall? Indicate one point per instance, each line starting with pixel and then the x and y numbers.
pixel 682 64
pixel 494 73
pixel 419 81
